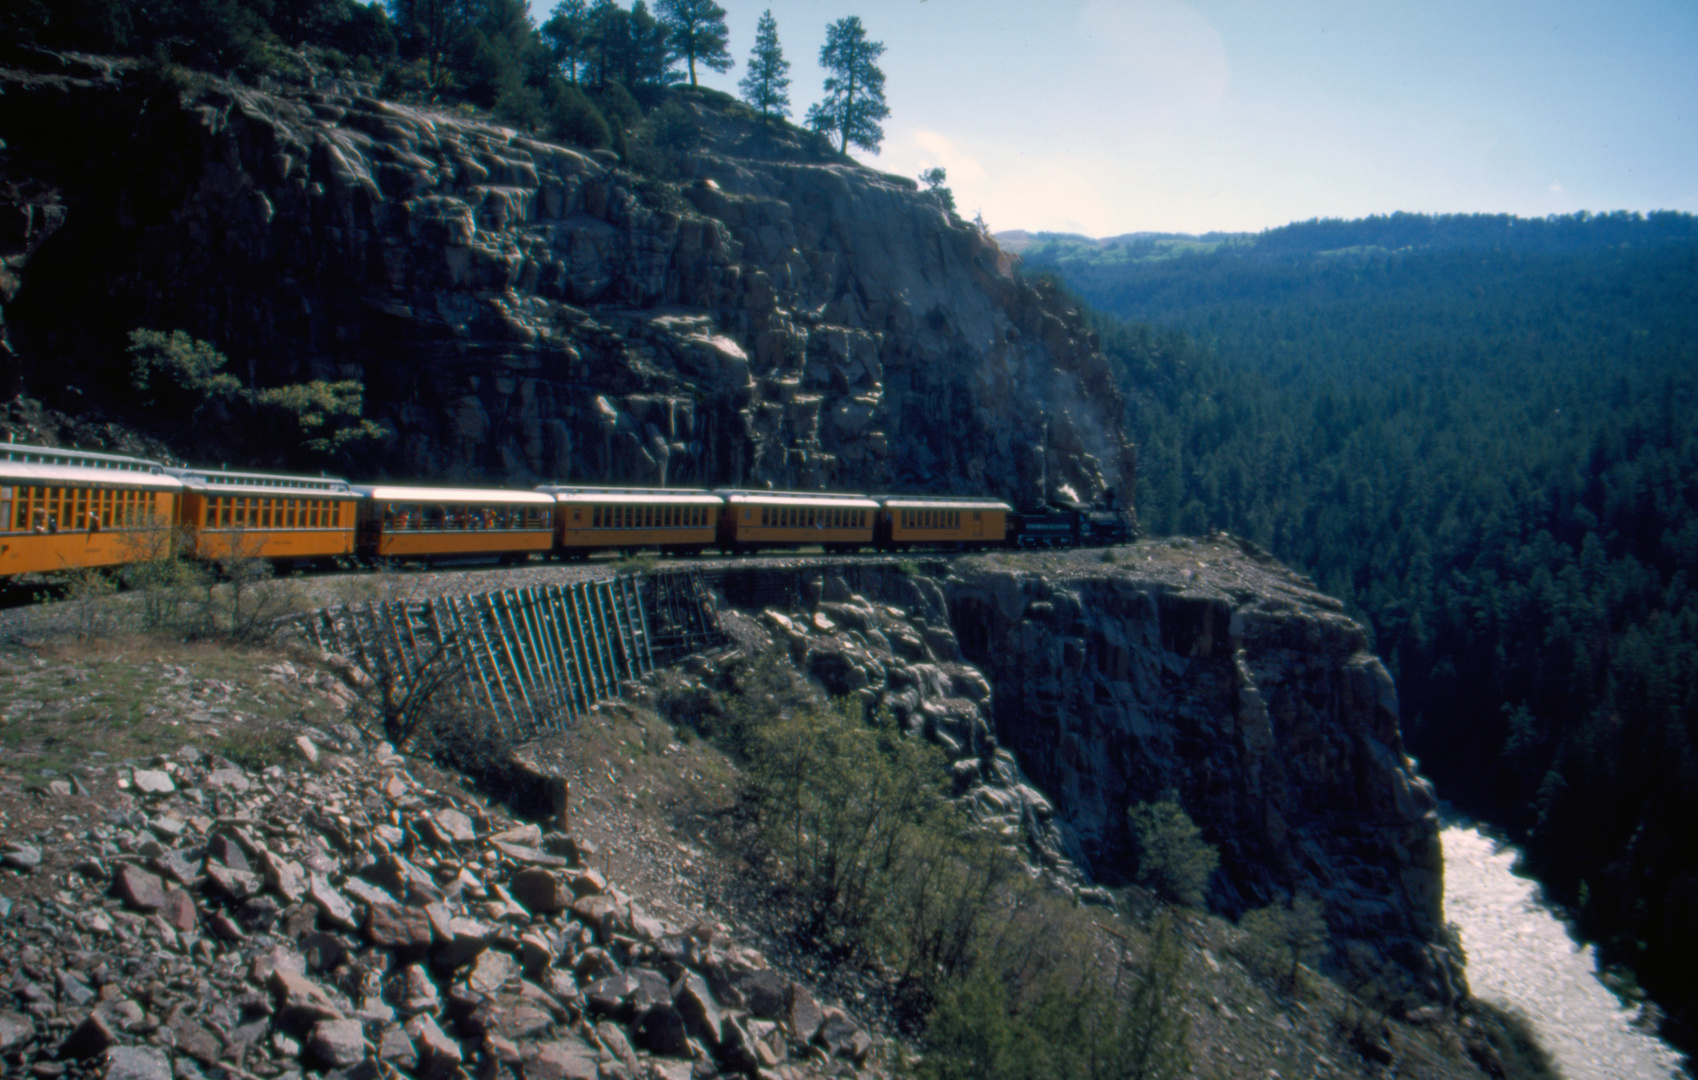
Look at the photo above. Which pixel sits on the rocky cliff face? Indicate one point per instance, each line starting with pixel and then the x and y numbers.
pixel 521 311
pixel 1066 689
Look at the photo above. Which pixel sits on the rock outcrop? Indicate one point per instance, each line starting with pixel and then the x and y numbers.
pixel 520 311
pixel 1067 689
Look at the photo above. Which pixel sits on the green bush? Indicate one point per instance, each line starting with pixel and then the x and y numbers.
pixel 848 818
pixel 175 371
pixel 1283 936
pixel 1072 1017
pixel 574 118
pixel 1173 859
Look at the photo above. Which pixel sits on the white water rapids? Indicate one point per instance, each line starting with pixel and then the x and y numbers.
pixel 1521 955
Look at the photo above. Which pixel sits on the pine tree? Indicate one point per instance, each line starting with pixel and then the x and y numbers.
pixel 854 92
pixel 568 31
pixel 696 31
pixel 767 85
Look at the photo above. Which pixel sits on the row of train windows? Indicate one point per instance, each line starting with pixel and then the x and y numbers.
pixel 651 517
pixel 255 512
pixel 49 509
pixel 411 517
pixel 814 517
pixel 933 519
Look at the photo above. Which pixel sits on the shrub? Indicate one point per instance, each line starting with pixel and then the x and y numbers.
pixel 1282 936
pixel 175 371
pixel 1173 859
pixel 574 118
pixel 1068 1016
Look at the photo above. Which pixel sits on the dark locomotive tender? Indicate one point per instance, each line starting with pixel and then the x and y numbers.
pixel 70 509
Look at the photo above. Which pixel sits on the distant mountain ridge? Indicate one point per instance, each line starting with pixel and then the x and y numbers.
pixel 1387 232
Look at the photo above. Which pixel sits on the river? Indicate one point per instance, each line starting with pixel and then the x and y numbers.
pixel 1520 954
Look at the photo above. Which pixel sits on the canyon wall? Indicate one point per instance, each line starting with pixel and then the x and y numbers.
pixel 520 311
pixel 1066 689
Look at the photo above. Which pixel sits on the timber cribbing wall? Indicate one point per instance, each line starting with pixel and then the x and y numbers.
pixel 535 658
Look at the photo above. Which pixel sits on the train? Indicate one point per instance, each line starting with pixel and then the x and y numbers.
pixel 74 509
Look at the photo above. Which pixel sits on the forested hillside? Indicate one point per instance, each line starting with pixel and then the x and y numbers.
pixel 1481 433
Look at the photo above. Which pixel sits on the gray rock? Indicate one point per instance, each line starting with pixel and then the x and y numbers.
pixel 73 991
pixel 229 780
pixel 331 903
pixel 661 1031
pixel 153 782
pixel 802 1013
pixel 137 1063
pixel 89 1038
pixel 439 1054
pixel 695 1002
pixel 337 1044
pixel 465 939
pixel 417 991
pixel 21 857
pixel 300 999
pixel 454 825
pixel 396 1047
pixel 540 892
pixel 765 993
pixel 389 926
pixel 138 888
pixel 491 971
pixel 569 1059
pixel 236 884
pixel 307 748
pixel 16 1029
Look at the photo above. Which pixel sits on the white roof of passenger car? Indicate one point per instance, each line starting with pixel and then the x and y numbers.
pixel 28 472
pixel 921 502
pixel 686 496
pixel 796 498
pixel 384 493
pixel 223 482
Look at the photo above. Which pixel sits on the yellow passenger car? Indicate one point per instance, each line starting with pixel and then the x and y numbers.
pixel 675 520
pixel 229 515
pixel 755 519
pixel 70 509
pixel 431 524
pixel 947 521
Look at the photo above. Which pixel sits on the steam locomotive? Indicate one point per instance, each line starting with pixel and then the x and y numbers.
pixel 71 509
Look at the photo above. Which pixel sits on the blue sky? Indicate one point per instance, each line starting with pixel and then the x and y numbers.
pixel 1111 116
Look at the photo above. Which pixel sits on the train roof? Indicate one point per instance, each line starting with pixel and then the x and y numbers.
pixel 224 482
pixel 21 463
pixel 387 493
pixel 795 498
pixel 942 502
pixel 55 455
pixel 12 472
pixel 687 496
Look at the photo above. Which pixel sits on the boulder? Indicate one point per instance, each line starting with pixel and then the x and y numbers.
pixel 337 1044
pixel 137 1063
pixel 138 888
pixel 540 891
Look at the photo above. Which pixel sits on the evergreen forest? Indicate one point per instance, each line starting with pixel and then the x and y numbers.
pixel 1480 432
